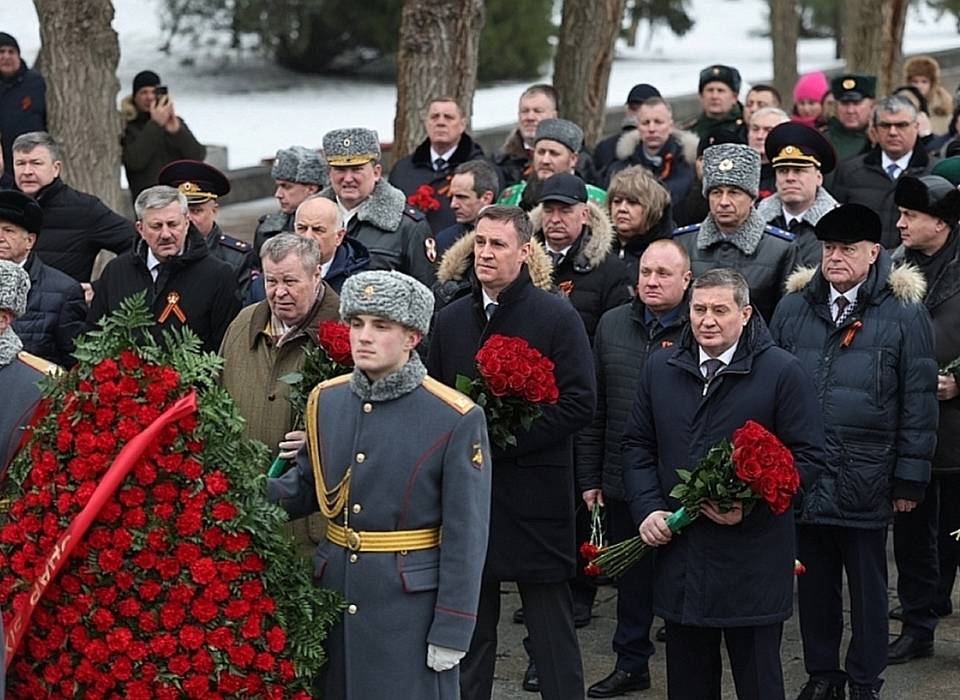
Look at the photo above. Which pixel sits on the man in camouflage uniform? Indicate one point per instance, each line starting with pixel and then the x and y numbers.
pixel 387 491
pixel 374 212
pixel 298 172
pixel 203 185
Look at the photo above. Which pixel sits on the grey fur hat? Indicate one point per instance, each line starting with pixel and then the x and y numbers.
pixel 14 285
pixel 352 146
pixel 734 164
pixel 388 294
pixel 566 132
pixel 299 164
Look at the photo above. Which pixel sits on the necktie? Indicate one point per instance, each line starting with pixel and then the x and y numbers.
pixel 793 225
pixel 893 170
pixel 439 164
pixel 490 309
pixel 841 303
pixel 711 367
pixel 555 257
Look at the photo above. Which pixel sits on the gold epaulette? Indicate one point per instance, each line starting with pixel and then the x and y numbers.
pixel 453 398
pixel 39 364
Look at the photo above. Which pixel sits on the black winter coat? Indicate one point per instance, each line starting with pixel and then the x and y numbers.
pixel 630 252
pixel 862 180
pixel 620 349
pixel 56 313
pixel 23 108
pixel 205 288
pixel 531 514
pixel 674 172
pixel 417 169
pixel 76 226
pixel 943 302
pixel 876 381
pixel 720 575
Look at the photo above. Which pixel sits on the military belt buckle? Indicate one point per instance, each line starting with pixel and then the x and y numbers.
pixel 353 540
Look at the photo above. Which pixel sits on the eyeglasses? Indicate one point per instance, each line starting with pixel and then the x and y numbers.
pixel 899 126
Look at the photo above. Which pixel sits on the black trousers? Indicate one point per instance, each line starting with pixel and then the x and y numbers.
pixel 947 545
pixel 548 613
pixel 827 551
pixel 631 641
pixel 915 551
pixel 695 669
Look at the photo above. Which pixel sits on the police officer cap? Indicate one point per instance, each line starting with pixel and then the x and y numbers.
pixel 948 169
pixel 731 164
pixel 849 223
pixel 353 146
pixel 642 92
pixel 197 181
pixel 561 130
pixel 799 146
pixel 728 75
pixel 563 187
pixel 853 87
pixel 299 164
pixel 388 294
pixel 930 194
pixel 14 285
pixel 717 135
pixel 21 210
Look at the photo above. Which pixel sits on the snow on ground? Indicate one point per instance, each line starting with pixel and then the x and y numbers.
pixel 254 107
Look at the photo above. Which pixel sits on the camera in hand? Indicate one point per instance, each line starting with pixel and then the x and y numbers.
pixel 160 92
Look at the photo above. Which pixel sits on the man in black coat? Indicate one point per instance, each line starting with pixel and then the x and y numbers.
pixel 432 164
pixel 473 186
pixel 858 325
pixel 605 152
pixel 531 539
pixel 184 284
pixel 625 338
pixel 728 575
pixel 929 211
pixel 870 179
pixel 56 311
pixel 76 225
pixel 23 98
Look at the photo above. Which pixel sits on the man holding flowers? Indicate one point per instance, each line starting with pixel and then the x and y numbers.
pixel 858 324
pixel 531 518
pixel 730 574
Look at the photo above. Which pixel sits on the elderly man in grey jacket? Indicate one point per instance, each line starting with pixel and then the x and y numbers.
pixel 387 492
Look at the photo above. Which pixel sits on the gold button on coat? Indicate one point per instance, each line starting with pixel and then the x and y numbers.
pixel 357 508
pixel 353 558
pixel 352 609
pixel 360 457
pixel 367 407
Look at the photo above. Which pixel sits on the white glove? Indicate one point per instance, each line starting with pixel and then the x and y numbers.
pixel 442 658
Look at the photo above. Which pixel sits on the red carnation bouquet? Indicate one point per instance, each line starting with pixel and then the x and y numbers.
pixel 329 358
pixel 424 199
pixel 754 467
pixel 138 558
pixel 514 380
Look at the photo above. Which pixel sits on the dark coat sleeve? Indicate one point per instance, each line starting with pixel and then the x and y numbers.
pixel 589 442
pixel 108 230
pixel 185 142
pixel 71 323
pixel 417 264
pixel 225 307
pixel 140 143
pixel 295 491
pixel 641 479
pixel 799 421
pixel 576 381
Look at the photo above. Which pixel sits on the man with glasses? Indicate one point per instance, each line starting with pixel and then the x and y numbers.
pixel 870 179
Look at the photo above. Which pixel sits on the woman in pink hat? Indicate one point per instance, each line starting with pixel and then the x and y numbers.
pixel 807 97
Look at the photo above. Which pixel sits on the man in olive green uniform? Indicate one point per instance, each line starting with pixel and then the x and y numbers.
pixel 847 131
pixel 387 491
pixel 719 91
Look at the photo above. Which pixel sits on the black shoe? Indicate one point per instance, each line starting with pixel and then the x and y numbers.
pixel 662 633
pixel 864 692
pixel 897 613
pixel 531 681
pixel 619 683
pixel 821 689
pixel 907 647
pixel 518 616
pixel 581 615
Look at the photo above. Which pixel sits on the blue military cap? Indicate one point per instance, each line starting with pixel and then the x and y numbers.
pixel 799 146
pixel 196 180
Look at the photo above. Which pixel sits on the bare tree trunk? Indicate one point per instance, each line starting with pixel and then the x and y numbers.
pixel 437 56
pixel 784 27
pixel 895 19
pixel 79 53
pixel 635 18
pixel 878 48
pixel 581 67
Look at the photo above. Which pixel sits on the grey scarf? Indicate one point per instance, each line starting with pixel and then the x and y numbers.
pixel 393 386
pixel 746 237
pixel 10 345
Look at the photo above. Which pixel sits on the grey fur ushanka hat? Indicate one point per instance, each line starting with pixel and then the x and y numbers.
pixel 299 164
pixel 388 294
pixel 14 286
pixel 733 164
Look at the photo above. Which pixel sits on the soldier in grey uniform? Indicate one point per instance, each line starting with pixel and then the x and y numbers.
pixel 298 173
pixel 734 235
pixel 388 492
pixel 203 185
pixel 375 212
